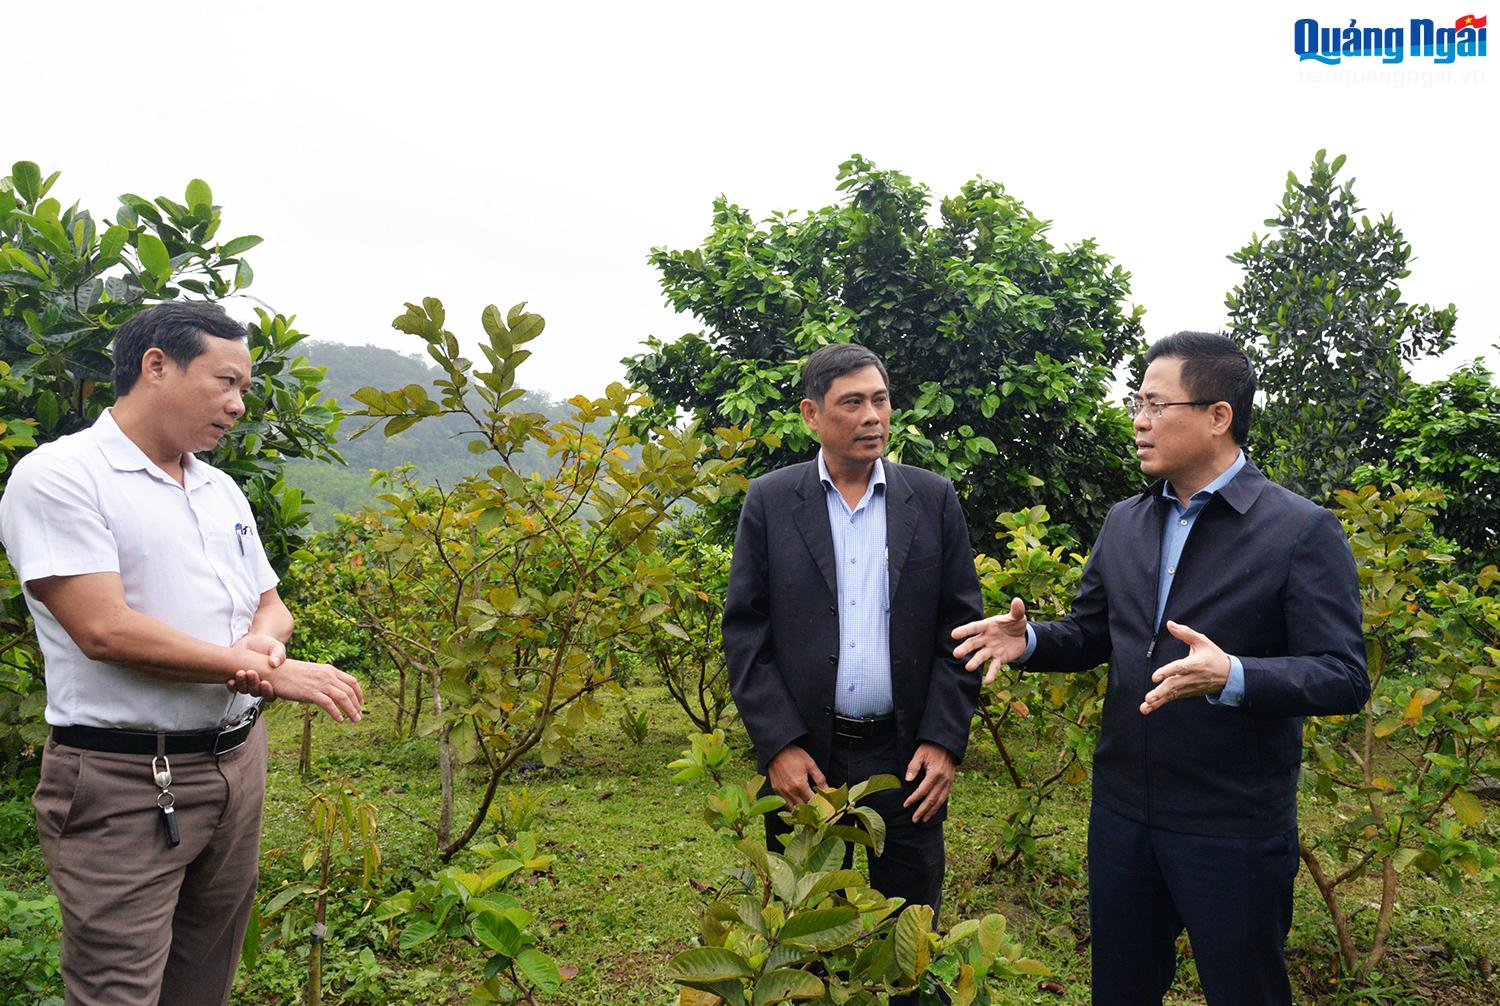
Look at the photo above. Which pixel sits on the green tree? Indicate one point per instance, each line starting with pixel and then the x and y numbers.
pixel 1397 773
pixel 1000 347
pixel 524 586
pixel 1447 435
pixel 1320 313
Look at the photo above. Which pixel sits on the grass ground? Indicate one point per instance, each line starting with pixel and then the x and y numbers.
pixel 628 842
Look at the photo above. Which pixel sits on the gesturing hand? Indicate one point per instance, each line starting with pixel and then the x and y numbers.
pixel 937 765
pixel 794 775
pixel 323 685
pixel 996 640
pixel 1204 671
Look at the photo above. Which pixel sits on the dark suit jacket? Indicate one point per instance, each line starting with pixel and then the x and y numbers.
pixel 1266 575
pixel 781 623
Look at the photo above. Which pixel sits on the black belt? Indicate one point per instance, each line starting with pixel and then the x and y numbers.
pixel 850 728
pixel 220 740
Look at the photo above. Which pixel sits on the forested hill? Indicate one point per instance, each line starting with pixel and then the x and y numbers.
pixel 434 446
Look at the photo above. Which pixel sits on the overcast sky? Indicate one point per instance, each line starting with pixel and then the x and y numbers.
pixel 536 152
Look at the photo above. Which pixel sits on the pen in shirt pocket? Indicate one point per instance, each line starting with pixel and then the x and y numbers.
pixel 240 531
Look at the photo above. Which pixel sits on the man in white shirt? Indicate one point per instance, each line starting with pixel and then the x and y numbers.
pixel 151 592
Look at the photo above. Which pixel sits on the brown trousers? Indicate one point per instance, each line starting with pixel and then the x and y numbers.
pixel 145 924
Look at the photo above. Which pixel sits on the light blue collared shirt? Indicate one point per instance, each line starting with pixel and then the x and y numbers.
pixel 859 553
pixel 1176 527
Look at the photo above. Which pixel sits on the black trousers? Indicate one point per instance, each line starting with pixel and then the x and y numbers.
pixel 912 863
pixel 1233 895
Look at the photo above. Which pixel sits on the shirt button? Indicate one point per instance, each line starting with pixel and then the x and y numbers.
pixel 1171 569
pixel 1183 523
pixel 851 646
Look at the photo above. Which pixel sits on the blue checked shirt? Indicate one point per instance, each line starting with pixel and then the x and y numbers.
pixel 864 676
pixel 1176 527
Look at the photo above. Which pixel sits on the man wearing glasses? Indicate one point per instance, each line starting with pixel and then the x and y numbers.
pixel 1228 609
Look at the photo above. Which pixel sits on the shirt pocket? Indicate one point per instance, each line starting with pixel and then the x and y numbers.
pixel 229 554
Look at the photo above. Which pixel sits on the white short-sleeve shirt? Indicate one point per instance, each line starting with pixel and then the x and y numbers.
pixel 188 555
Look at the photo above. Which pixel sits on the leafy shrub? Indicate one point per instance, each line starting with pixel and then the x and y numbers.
pixel 502 592
pixel 479 908
pixel 29 931
pixel 1396 773
pixel 801 924
pixel 1062 710
pixel 685 643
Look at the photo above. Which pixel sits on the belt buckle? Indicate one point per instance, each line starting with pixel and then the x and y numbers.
pixel 852 728
pixel 238 731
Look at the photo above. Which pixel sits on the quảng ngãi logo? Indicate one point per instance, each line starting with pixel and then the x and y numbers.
pixel 1423 40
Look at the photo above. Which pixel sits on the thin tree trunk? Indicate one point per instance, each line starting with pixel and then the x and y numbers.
pixel 416 705
pixel 1383 925
pixel 304 757
pixel 1330 898
pixel 445 762
pixel 315 952
pixel 400 699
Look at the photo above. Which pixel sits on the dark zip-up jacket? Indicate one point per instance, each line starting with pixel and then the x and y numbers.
pixel 1268 576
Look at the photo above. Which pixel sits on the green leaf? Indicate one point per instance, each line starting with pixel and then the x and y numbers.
pixel 991 933
pixel 199 194
pixel 238 246
pixel 1468 808
pixel 154 256
pixel 707 964
pixel 250 948
pixel 497 933
pixel 243 275
pixel 417 933
pixel 539 969
pixel 1403 858
pixel 28 180
pixel 822 928
pixel 912 947
pixel 837 880
pixel 494 327
pixel 526 328
pixel 286 897
pixel 874 784
pixel 786 984
pixel 113 242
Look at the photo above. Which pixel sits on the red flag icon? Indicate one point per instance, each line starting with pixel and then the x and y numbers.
pixel 1470 21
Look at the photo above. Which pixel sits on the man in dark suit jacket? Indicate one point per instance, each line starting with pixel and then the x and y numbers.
pixel 849 574
pixel 1228 608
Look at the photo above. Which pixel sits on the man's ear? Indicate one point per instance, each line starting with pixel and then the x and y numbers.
pixel 154 364
pixel 810 414
pixel 1223 417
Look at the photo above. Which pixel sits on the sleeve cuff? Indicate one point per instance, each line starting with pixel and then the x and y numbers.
pixel 1234 689
pixel 1030 644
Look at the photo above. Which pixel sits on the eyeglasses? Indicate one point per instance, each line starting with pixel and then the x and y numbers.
pixel 1135 405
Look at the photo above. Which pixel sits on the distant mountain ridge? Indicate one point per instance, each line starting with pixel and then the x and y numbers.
pixel 436 447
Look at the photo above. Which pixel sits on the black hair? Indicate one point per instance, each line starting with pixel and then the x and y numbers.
pixel 176 328
pixel 1214 369
pixel 832 362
